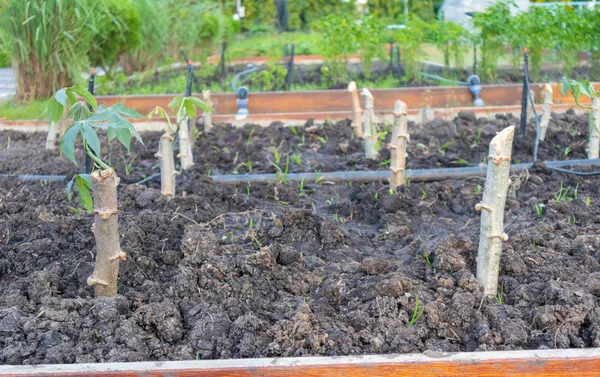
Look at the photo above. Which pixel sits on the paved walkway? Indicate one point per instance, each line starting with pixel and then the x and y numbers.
pixel 8 86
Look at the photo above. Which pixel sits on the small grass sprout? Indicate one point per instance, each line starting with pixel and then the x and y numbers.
pixel 416 313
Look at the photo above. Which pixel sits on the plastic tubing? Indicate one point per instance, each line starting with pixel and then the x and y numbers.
pixel 416 175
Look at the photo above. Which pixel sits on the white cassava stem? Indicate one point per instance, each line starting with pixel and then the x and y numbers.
pixel 492 211
pixel 106 233
pixel 208 125
pixel 357 111
pixel 546 111
pixel 594 145
pixel 185 146
pixel 400 138
pixel 167 165
pixel 51 138
pixel 369 132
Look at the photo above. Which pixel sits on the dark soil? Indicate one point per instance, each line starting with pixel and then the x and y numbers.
pixel 314 147
pixel 268 270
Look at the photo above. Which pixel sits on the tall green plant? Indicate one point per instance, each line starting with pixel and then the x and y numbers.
pixel 339 41
pixel 370 42
pixel 119 27
pixel 153 36
pixel 570 29
pixel 48 42
pixel 492 26
pixel 411 41
pixel 536 31
pixel 452 39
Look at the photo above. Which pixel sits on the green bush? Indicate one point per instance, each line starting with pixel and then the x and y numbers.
pixel 270 79
pixel 4 59
pixel 493 27
pixel 340 37
pixel 152 38
pixel 119 27
pixel 411 41
pixel 370 39
pixel 452 40
pixel 196 27
pixel 48 61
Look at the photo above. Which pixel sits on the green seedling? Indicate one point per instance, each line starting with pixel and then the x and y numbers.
pixel 477 190
pixel 477 139
pixel 322 140
pixel 416 313
pixel 429 262
pixel 562 194
pixel 336 217
pixel 539 208
pixel 568 150
pixel 297 158
pixel 385 163
pixel 277 156
pixel 587 202
pixel 249 140
pixel 301 188
pixel 500 294
pixel 293 130
pixel 129 164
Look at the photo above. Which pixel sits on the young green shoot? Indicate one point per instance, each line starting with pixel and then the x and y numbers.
pixel 416 313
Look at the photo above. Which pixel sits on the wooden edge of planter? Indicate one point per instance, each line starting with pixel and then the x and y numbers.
pixel 567 362
pixel 298 119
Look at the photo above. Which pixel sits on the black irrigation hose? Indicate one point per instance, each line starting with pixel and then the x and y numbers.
pixel 416 175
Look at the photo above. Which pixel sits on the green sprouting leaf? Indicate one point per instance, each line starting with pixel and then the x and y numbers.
pixel 55 110
pixel 124 136
pixel 61 97
pixel 190 109
pixel 91 138
pixel 199 103
pixel 175 102
pixel 85 198
pixel 88 179
pixel 89 98
pixel 111 132
pixel 72 98
pixel 67 144
pixel 126 111
pixel 79 111
pixel 102 114
pixel 70 186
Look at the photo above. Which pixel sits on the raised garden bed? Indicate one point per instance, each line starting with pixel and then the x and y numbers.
pixel 271 270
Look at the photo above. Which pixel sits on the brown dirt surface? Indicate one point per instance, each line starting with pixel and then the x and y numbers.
pixel 271 270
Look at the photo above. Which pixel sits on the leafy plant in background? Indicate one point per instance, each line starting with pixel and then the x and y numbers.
pixel 272 78
pixel 535 30
pixel 119 28
pixel 339 41
pixel 570 31
pixel 153 37
pixel 411 41
pixel 492 26
pixel 591 23
pixel 46 61
pixel 192 21
pixel 452 40
pixel 369 39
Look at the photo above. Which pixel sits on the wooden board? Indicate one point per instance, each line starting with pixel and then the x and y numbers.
pixel 337 100
pixel 563 363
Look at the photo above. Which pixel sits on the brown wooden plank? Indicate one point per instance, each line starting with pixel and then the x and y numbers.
pixel 559 363
pixel 337 100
